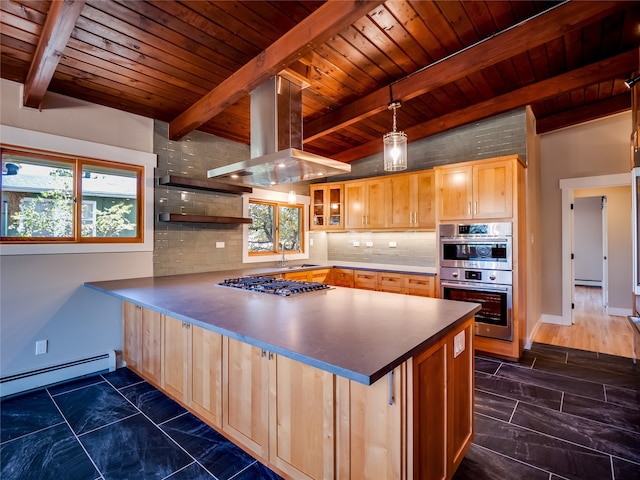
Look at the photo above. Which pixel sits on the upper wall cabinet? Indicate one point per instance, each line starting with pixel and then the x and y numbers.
pixel 327 207
pixel 365 204
pixel 476 190
pixel 411 201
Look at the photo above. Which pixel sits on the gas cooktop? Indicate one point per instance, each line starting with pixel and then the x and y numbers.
pixel 274 286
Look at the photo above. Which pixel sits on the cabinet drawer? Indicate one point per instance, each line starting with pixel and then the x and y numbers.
pixel 321 276
pixel 299 276
pixel 422 285
pixel 391 282
pixel 342 277
pixel 365 279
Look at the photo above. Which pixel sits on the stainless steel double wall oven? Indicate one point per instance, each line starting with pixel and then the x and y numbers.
pixel 476 266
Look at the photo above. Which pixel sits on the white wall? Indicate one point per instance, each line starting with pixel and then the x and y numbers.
pixel 596 148
pixel 41 292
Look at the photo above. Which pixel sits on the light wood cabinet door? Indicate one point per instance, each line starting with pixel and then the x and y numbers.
pixel 365 204
pixel 371 440
pixel 142 344
pixel 493 190
pixel 327 207
pixel 459 394
pixel 423 197
pixel 430 413
pixel 400 207
pixel 301 419
pixel 355 207
pixel 422 285
pixel 391 282
pixel 206 375
pixel 411 201
pixel 132 335
pixel 246 395
pixel 376 203
pixel 455 192
pixel 151 359
pixel 176 358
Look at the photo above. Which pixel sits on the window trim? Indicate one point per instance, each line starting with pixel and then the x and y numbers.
pixel 281 198
pixel 277 205
pixel 77 164
pixel 20 138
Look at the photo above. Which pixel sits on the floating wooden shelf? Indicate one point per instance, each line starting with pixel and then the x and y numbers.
pixel 205 184
pixel 191 218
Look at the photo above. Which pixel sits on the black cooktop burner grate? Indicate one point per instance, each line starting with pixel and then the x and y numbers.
pixel 274 286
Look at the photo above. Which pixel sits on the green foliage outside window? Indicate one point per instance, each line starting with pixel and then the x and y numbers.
pixel 39 195
pixel 275 227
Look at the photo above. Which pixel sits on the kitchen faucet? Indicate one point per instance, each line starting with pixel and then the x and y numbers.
pixel 283 262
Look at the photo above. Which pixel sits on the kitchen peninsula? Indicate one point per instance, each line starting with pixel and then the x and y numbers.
pixel 337 383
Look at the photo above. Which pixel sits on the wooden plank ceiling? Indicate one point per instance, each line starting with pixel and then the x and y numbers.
pixel 192 63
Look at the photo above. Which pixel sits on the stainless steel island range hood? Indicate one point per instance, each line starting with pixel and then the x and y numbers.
pixel 276 141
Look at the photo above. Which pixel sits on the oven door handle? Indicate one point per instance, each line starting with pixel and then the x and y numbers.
pixel 475 286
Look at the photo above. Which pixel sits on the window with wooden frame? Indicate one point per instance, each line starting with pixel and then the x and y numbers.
pixel 50 198
pixel 275 227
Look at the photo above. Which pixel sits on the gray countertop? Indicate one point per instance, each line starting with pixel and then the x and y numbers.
pixel 358 334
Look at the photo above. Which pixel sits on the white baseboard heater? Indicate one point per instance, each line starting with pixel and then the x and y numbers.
pixel 21 382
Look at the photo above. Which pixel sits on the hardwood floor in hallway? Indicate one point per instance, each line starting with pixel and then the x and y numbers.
pixel 593 330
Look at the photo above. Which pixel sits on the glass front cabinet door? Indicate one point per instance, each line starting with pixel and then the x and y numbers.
pixel 327 204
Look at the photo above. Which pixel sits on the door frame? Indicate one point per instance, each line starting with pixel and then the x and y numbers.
pixel 567 187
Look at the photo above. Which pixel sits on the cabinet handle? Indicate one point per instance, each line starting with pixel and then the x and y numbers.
pixel 475 207
pixel 391 387
pixel 363 220
pixel 263 353
pixel 270 355
pixel 468 208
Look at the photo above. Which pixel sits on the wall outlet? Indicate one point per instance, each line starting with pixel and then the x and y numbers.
pixel 368 244
pixel 219 244
pixel 458 344
pixel 393 244
pixel 41 347
pixel 355 244
pixel 311 242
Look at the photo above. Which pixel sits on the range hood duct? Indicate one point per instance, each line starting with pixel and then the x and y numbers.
pixel 276 141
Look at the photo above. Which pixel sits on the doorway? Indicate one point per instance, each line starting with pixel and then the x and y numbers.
pixel 590 248
pixel 596 186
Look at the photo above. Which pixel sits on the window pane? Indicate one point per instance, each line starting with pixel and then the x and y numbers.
pixel 290 228
pixel 37 197
pixel 109 201
pixel 262 229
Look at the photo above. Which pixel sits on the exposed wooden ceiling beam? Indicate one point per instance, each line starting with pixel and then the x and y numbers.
pixel 518 39
pixel 328 20
pixel 609 106
pixel 611 67
pixel 57 28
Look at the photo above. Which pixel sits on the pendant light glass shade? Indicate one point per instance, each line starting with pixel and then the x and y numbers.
pixel 395 146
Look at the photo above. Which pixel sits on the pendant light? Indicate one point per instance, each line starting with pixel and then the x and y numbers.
pixel 395 143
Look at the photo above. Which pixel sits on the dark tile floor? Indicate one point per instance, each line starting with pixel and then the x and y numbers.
pixel 113 426
pixel 559 413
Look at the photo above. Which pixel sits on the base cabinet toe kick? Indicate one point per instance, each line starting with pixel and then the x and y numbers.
pixel 306 423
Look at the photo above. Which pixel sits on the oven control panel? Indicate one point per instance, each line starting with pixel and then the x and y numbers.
pixel 500 277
